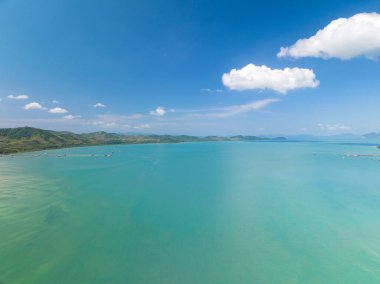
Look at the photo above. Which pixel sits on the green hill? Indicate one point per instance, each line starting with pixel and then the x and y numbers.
pixel 24 139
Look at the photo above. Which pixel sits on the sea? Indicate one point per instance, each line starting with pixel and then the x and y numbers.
pixel 212 212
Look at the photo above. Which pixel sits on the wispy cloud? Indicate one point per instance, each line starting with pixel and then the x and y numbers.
pixel 110 124
pixel 333 127
pixel 211 91
pixel 141 126
pixel 119 118
pixel 233 110
pixel 115 121
pixel 18 97
pixel 71 117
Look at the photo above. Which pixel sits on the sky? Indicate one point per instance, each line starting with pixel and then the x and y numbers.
pixel 191 67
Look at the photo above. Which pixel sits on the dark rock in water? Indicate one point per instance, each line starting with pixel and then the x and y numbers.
pixel 53 215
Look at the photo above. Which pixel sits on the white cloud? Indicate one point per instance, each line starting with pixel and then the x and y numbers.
pixel 209 91
pixel 120 119
pixel 206 90
pixel 107 124
pixel 343 38
pixel 18 97
pixel 229 111
pixel 55 102
pixel 142 126
pixel 70 116
pixel 99 105
pixel 159 111
pixel 134 116
pixel 237 109
pixel 117 121
pixel 33 105
pixel 333 127
pixel 253 77
pixel 57 110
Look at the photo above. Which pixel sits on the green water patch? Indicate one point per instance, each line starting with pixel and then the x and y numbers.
pixel 192 213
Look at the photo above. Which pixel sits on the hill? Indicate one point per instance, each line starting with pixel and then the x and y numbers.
pixel 24 139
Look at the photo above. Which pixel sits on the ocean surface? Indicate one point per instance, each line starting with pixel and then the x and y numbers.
pixel 217 212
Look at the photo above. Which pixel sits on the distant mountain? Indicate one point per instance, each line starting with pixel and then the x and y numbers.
pixel 372 135
pixel 334 137
pixel 23 139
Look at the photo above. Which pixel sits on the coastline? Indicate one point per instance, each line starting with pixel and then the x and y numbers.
pixel 28 139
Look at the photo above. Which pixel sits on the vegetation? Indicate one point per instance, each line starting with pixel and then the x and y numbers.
pixel 24 139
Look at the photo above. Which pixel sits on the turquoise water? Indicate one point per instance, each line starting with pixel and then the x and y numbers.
pixel 222 212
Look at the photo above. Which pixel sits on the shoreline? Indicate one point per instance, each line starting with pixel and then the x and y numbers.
pixel 131 144
pixel 29 139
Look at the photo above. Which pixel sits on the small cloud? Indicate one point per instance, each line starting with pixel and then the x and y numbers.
pixel 210 91
pixel 142 126
pixel 55 102
pixel 70 116
pixel 252 77
pixel 134 116
pixel 159 111
pixel 99 105
pixel 333 127
pixel 57 110
pixel 33 105
pixel 18 97
pixel 237 109
pixel 107 124
pixel 228 111
pixel 206 90
pixel 343 38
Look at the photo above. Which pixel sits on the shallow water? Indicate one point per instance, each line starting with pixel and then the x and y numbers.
pixel 225 212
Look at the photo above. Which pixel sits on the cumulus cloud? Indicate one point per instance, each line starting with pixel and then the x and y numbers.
pixel 18 97
pixel 159 111
pixel 71 117
pixel 33 105
pixel 343 38
pixel 57 110
pixel 99 105
pixel 252 77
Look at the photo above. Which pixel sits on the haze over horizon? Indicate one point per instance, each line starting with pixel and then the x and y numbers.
pixel 191 67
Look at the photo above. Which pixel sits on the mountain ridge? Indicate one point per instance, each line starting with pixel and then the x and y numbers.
pixel 27 139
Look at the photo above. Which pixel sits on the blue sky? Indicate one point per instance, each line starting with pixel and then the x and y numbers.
pixel 157 66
